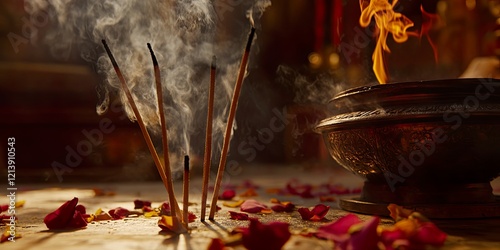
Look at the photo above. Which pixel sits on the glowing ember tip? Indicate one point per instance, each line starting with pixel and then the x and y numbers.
pixel 186 163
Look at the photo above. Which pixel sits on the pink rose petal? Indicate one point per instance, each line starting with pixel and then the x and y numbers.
pixel 252 206
pixel 338 230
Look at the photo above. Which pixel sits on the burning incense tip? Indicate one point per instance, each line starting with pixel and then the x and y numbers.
pixel 186 163
pixel 214 63
pixel 250 39
pixel 153 57
pixel 110 55
pixel 185 191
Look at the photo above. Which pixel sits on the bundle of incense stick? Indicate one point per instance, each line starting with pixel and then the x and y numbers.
pixel 229 124
pixel 163 170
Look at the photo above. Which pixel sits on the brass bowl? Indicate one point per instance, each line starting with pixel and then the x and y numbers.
pixel 428 142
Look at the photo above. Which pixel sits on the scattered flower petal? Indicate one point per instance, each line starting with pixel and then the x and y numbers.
pixel 228 194
pixel 429 234
pixel 327 198
pixel 259 236
pixel 317 213
pixel 338 228
pixel 273 190
pixel 357 190
pixel 119 213
pixel 233 204
pixel 398 212
pixel 238 216
pixel 151 214
pixel 252 206
pixel 249 193
pixel 140 204
pixel 103 192
pixel 77 221
pixel 294 187
pixel 166 223
pixel 191 217
pixel 250 184
pixel 81 208
pixel 285 206
pixel 63 217
pixel 101 215
pixel 18 204
pixel 7 235
pixel 5 218
pixel 216 244
pixel 165 209
pixel 366 237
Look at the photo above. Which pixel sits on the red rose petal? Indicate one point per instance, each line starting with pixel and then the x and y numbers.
pixel 294 187
pixel 228 194
pixel 147 209
pixel 165 208
pixel 317 213
pixel 139 204
pixel 252 206
pixel 249 184
pixel 270 236
pixel 81 209
pixel 389 237
pixel 61 217
pixel 337 230
pixel 283 207
pixel 428 233
pixel 119 213
pixel 191 217
pixel 216 244
pixel 78 221
pixel 367 238
pixel 238 216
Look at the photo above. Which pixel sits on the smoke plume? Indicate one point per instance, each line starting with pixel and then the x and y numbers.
pixel 184 34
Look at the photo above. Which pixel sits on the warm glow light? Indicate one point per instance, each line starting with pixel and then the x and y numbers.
pixel 471 4
pixel 387 21
pixel 315 60
pixel 334 60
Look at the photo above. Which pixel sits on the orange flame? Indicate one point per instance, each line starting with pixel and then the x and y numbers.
pixel 387 21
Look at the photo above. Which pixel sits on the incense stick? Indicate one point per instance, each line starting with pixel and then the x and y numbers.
pixel 142 126
pixel 208 139
pixel 229 125
pixel 168 173
pixel 185 192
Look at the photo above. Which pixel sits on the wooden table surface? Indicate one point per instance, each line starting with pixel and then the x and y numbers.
pixel 143 233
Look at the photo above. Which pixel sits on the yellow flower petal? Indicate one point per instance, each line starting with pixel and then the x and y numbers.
pixel 233 204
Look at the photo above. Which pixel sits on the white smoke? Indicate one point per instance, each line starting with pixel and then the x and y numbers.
pixel 184 34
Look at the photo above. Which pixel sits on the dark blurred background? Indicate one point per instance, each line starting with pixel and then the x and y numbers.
pixel 49 93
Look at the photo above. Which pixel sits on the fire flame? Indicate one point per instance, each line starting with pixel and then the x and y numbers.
pixel 387 21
